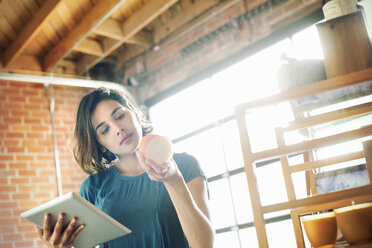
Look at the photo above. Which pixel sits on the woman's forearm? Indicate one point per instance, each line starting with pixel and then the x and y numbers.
pixel 194 222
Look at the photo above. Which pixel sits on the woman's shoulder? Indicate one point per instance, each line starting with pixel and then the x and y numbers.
pixel 96 179
pixel 184 158
pixel 188 165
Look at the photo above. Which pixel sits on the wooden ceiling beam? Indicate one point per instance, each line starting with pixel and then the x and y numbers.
pixel 132 26
pixel 93 19
pixel 110 28
pixel 89 46
pixel 27 62
pixel 29 32
pixel 142 38
pixel 113 29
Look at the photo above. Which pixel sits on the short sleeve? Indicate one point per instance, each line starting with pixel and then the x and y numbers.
pixel 189 166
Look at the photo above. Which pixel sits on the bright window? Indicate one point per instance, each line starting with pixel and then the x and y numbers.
pixel 201 122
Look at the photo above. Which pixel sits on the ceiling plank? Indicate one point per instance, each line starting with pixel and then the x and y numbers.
pixel 142 38
pixel 27 62
pixel 112 28
pixel 133 25
pixel 89 46
pixel 95 17
pixel 29 32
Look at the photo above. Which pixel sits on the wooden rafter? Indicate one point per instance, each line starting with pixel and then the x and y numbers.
pixel 113 29
pixel 142 38
pixel 29 32
pixel 90 46
pixel 94 18
pixel 132 26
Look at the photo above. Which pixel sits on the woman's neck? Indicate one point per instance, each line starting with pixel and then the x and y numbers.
pixel 129 166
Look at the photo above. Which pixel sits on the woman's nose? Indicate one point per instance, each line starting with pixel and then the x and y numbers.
pixel 119 131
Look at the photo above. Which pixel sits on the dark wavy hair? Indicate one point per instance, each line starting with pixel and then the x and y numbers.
pixel 88 153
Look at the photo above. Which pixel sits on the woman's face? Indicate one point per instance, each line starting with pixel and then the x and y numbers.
pixel 116 127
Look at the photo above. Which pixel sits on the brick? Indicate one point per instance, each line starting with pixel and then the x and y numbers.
pixel 19 98
pixel 32 107
pixel 21 113
pixel 28 188
pixel 7 173
pixel 7 229
pixel 7 189
pixel 36 149
pixel 21 196
pixel 38 165
pixel 27 92
pixel 12 91
pixel 9 221
pixel 18 165
pixel 4 197
pixel 32 120
pixel 27 173
pixel 25 228
pixel 16 149
pixel 31 235
pixel 41 114
pixel 40 128
pixel 42 179
pixel 33 135
pixel 26 244
pixel 19 84
pixel 28 204
pixel 37 100
pixel 20 180
pixel 5 213
pixel 43 195
pixel 6 157
pixel 29 142
pixel 10 142
pixel 11 120
pixel 45 157
pixel 12 134
pixel 6 245
pixel 12 237
pixel 24 157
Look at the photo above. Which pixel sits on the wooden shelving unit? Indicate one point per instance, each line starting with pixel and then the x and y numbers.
pixel 314 202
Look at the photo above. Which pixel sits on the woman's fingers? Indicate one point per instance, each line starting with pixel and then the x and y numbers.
pixel 59 225
pixel 40 232
pixel 47 227
pixel 74 234
pixel 57 232
pixel 69 229
pixel 149 165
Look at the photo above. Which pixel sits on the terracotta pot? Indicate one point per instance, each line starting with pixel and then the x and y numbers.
pixel 355 223
pixel 321 229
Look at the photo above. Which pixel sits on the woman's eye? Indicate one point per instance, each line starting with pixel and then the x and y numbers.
pixel 119 117
pixel 104 131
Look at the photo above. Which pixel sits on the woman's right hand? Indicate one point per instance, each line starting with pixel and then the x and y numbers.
pixel 57 237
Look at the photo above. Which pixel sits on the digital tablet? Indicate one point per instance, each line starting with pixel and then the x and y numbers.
pixel 99 227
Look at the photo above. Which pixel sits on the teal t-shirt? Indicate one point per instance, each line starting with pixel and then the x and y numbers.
pixel 142 205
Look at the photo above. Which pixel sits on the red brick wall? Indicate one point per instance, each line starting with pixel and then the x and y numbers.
pixel 27 170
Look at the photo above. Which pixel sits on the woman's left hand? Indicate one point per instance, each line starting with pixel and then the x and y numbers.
pixel 167 172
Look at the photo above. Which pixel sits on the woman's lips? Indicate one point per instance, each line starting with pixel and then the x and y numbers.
pixel 126 139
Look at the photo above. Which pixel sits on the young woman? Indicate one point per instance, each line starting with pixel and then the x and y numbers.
pixel 163 205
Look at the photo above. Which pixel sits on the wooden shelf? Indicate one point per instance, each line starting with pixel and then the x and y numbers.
pixel 343 244
pixel 323 201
